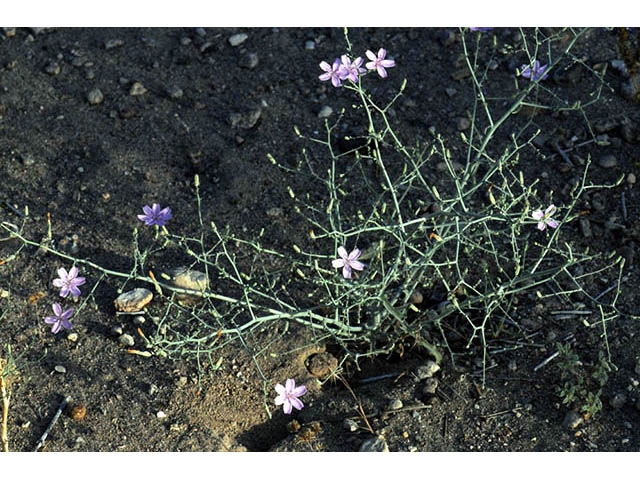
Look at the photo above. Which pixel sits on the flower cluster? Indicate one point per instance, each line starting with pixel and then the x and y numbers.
pixel 534 73
pixel 68 283
pixel 344 68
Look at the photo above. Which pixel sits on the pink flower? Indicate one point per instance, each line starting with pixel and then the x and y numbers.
pixel 350 69
pixel 544 218
pixel 333 73
pixel 288 396
pixel 538 71
pixel 61 319
pixel 347 262
pixel 379 63
pixel 68 282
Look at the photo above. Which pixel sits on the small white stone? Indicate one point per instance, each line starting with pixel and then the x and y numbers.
pixel 161 414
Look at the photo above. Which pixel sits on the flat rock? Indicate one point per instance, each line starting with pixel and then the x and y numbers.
pixel 237 39
pixel 184 277
pixel 374 444
pixel 133 300
pixel 427 370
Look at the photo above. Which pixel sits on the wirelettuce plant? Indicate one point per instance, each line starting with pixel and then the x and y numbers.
pixel 410 243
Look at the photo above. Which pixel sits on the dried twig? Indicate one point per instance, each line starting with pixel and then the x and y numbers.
pixel 55 418
pixel 6 396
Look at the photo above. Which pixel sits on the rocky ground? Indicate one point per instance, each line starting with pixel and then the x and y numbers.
pixel 98 122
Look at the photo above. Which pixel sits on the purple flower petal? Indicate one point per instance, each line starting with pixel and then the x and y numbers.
pixel 297 403
pixel 346 272
pixel 57 309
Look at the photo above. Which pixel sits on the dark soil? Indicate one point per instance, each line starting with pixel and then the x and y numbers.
pixel 93 167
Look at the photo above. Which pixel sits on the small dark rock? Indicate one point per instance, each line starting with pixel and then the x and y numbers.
pixel 95 96
pixel 113 43
pixel 52 68
pixel 572 420
pixel 374 444
pixel 608 161
pixel 248 60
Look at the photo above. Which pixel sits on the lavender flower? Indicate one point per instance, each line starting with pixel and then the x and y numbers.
pixel 347 262
pixel 480 29
pixel 60 319
pixel 155 216
pixel 538 71
pixel 378 62
pixel 544 218
pixel 68 282
pixel 333 73
pixel 350 69
pixel 288 396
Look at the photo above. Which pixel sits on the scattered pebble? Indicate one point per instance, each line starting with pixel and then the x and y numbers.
pixel 60 369
pixel 152 389
pixel 137 89
pixel 237 39
pixel 322 364
pixel 451 91
pixel 430 386
pixel 78 412
pixel 138 320
pixel 133 300
pixel 175 92
pixel 116 330
pixel 113 43
pixel 72 337
pixel 325 111
pixel 161 414
pixel 52 68
pixel 350 424
pixel 572 420
pixel 245 120
pixel 95 96
pixel 618 400
pixel 9 31
pixel 248 60
pixel 427 370
pixel 126 340
pixel 608 161
pixel 463 123
pixel 395 404
pixel 309 45
pixel 374 444
pixel 585 227
pixel 183 277
pixel 417 297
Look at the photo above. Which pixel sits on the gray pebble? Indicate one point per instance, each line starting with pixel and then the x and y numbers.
pixel 237 39
pixel 608 161
pixel 309 45
pixel 201 32
pixel 152 389
pixel 451 92
pixel 90 74
pixel 513 366
pixel 493 65
pixel 374 444
pixel 427 370
pixel 137 89
pixel 350 424
pixel 95 96
pixel 395 404
pixel 248 60
pixel 618 400
pixel 126 340
pixel 325 111
pixel 463 123
pixel 585 227
pixel 28 159
pixel 52 68
pixel 175 92
pixel 60 369
pixel 430 386
pixel 245 120
pixel 113 43
pixel 116 330
pixel 72 337
pixel 572 420
pixel 138 320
